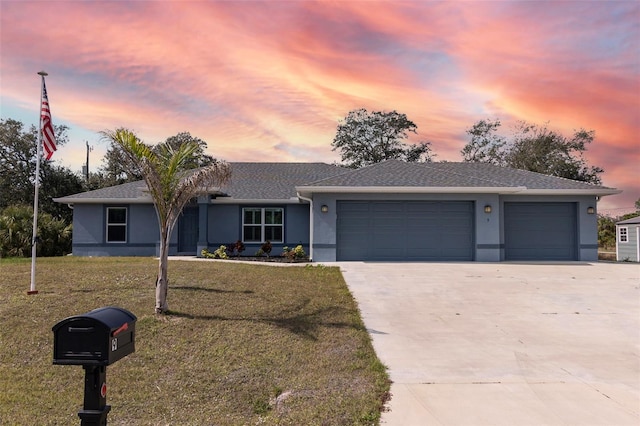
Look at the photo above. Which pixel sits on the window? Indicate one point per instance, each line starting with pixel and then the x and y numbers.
pixel 116 224
pixel 262 224
pixel 623 235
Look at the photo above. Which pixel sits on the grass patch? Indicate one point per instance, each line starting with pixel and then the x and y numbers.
pixel 243 345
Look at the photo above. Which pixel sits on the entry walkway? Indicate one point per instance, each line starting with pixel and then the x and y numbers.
pixel 504 343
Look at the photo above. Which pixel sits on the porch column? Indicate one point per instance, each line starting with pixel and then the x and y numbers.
pixel 203 224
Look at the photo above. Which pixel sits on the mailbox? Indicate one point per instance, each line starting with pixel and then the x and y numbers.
pixel 99 337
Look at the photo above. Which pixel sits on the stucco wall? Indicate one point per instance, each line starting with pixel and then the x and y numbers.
pixel 88 225
pixel 489 229
pixel 89 231
pixel 225 226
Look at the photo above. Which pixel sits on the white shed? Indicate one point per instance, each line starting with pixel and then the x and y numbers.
pixel 628 240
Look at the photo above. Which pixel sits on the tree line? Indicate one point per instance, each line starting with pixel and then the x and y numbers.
pixel 607 227
pixel 18 147
pixel 365 138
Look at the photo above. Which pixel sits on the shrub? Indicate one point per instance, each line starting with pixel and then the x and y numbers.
pixel 606 231
pixel 296 253
pixel 16 227
pixel 219 253
pixel 237 247
pixel 266 248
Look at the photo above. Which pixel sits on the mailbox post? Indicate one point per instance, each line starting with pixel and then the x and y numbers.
pixel 95 409
pixel 94 340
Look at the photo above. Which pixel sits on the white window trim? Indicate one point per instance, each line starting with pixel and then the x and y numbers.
pixel 624 234
pixel 262 224
pixel 125 224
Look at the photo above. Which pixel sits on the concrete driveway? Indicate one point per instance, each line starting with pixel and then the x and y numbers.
pixel 504 343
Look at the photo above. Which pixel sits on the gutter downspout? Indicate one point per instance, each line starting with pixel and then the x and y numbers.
pixel 310 224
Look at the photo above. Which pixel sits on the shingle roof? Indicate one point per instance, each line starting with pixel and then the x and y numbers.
pixel 249 181
pixel 632 221
pixel 281 181
pixel 395 173
pixel 506 176
pixel 275 181
pixel 127 191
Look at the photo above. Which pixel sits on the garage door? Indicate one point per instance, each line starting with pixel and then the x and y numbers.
pixel 405 230
pixel 540 231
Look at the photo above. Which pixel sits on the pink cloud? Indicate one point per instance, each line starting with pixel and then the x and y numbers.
pixel 269 81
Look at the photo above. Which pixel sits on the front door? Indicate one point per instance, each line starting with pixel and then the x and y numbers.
pixel 188 230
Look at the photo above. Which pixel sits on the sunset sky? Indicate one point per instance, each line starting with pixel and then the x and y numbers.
pixel 268 81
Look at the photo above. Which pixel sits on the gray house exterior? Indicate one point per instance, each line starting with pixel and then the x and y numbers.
pixel 390 211
pixel 628 240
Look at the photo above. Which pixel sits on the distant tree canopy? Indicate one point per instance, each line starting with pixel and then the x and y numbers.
pixel 118 168
pixel 532 147
pixel 365 138
pixel 18 147
pixel 606 232
pixel 200 159
pixel 18 155
pixel 607 226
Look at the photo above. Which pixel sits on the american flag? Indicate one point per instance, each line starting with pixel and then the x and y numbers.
pixel 48 137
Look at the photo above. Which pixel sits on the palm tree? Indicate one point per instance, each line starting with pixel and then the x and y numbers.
pixel 171 186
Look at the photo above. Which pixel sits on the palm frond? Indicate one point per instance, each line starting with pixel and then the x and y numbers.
pixel 198 182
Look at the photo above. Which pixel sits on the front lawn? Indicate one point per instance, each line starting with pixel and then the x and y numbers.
pixel 243 345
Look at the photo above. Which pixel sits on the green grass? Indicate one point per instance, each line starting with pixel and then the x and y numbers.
pixel 243 345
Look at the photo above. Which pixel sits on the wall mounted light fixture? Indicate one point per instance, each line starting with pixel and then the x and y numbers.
pixel 324 208
pixel 487 208
pixel 591 210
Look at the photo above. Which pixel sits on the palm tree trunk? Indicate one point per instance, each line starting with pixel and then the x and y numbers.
pixel 162 284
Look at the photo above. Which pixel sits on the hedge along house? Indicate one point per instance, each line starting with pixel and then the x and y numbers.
pixel 628 240
pixel 390 211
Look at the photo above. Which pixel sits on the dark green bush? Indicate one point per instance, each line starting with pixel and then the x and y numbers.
pixel 16 227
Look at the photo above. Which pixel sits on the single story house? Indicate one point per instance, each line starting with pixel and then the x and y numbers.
pixel 628 240
pixel 390 211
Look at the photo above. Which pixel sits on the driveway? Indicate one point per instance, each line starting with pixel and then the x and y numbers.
pixel 504 343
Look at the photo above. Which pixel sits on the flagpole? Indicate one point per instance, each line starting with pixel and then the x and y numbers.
pixel 34 239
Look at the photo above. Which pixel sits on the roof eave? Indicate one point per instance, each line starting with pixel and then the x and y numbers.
pixel 595 191
pixel 453 190
pixel 632 221
pixel 231 200
pixel 409 189
pixel 145 199
pixel 73 200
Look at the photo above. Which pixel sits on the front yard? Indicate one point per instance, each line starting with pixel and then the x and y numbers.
pixel 243 345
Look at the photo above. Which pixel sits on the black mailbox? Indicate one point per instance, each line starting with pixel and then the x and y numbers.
pixel 99 337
